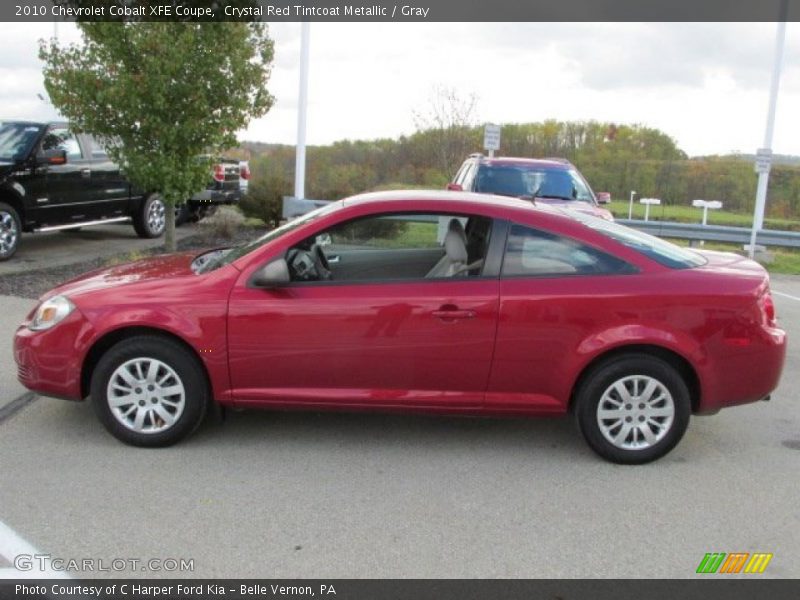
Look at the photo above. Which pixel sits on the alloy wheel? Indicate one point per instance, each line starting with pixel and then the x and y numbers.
pixel 8 233
pixel 635 412
pixel 146 395
pixel 156 216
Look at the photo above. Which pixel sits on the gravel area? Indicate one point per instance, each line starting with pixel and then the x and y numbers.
pixel 33 284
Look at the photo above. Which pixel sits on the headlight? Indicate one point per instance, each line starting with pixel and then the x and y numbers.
pixel 51 312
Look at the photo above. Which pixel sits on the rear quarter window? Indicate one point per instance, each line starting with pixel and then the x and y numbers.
pixel 535 253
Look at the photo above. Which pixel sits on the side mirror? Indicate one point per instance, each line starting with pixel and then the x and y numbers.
pixel 272 275
pixel 455 187
pixel 603 197
pixel 53 156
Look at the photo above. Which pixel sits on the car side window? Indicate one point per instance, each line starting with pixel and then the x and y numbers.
pixel 460 175
pixel 534 253
pixel 391 247
pixel 469 176
pixel 99 151
pixel 63 139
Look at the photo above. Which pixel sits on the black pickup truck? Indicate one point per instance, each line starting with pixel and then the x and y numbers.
pixel 51 179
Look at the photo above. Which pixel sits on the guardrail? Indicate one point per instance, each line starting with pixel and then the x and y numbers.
pixel 714 233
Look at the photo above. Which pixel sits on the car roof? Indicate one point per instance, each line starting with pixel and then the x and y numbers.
pixel 512 161
pixel 437 196
pixel 23 122
pixel 480 202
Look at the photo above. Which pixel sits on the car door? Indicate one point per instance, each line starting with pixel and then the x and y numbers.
pixel 112 192
pixel 66 194
pixel 555 291
pixel 380 334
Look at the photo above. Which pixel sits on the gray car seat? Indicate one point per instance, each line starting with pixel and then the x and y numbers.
pixel 454 261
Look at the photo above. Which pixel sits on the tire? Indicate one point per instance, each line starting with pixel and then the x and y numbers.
pixel 10 230
pixel 151 219
pixel 646 426
pixel 166 381
pixel 183 214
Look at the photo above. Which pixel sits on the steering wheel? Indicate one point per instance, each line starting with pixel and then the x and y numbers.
pixel 320 262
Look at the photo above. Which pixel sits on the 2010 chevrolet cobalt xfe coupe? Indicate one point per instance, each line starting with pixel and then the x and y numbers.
pixel 420 301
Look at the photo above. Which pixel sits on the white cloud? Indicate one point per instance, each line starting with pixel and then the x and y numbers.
pixel 704 84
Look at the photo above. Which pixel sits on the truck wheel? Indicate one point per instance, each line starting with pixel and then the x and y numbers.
pixel 10 229
pixel 151 219
pixel 207 211
pixel 183 214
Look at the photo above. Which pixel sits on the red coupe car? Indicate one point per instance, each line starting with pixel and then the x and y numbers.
pixel 424 301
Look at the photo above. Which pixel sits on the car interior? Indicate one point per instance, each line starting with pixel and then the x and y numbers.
pixel 392 247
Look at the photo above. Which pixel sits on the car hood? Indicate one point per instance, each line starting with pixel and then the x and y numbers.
pixel 577 205
pixel 148 269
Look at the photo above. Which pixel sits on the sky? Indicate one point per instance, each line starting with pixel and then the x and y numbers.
pixel 704 84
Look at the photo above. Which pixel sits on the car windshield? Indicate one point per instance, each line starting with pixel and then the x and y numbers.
pixel 16 140
pixel 533 182
pixel 231 254
pixel 661 251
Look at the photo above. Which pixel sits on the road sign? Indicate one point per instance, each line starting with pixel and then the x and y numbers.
pixel 763 160
pixel 648 202
pixel 491 137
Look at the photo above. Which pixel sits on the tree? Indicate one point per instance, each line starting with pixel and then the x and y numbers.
pixel 161 95
pixel 271 181
pixel 449 124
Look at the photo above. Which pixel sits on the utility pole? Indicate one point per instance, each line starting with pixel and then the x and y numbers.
pixel 764 154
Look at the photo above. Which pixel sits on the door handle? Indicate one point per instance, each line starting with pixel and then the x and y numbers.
pixel 86 172
pixel 454 313
pixel 334 259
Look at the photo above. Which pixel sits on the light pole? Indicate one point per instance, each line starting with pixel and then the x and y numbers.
pixel 764 154
pixel 302 109
pixel 630 205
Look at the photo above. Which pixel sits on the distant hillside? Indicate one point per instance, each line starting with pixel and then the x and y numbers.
pixel 788 160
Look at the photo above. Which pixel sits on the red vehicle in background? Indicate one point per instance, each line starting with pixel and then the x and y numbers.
pixel 552 181
pixel 420 301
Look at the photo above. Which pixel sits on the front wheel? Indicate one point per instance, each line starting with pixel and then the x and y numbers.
pixel 149 391
pixel 151 219
pixel 9 231
pixel 633 409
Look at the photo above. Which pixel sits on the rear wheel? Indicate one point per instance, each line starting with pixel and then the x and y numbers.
pixel 10 229
pixel 151 220
pixel 633 409
pixel 149 391
pixel 182 214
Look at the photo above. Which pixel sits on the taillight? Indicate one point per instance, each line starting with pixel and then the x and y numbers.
pixel 244 170
pixel 219 173
pixel 768 308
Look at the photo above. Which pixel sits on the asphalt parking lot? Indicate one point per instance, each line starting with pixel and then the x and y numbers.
pixel 59 248
pixel 287 495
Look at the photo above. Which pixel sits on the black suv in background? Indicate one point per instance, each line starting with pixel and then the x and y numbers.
pixel 51 179
pixel 553 181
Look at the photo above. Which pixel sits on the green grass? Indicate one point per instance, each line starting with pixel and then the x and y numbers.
pixel 785 260
pixel 690 214
pixel 412 235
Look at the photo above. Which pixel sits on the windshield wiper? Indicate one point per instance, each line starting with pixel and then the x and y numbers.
pixel 555 196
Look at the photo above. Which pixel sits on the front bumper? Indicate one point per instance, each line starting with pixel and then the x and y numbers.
pixel 49 362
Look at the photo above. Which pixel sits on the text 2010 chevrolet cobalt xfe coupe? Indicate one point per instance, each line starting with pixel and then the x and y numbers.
pixel 424 301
